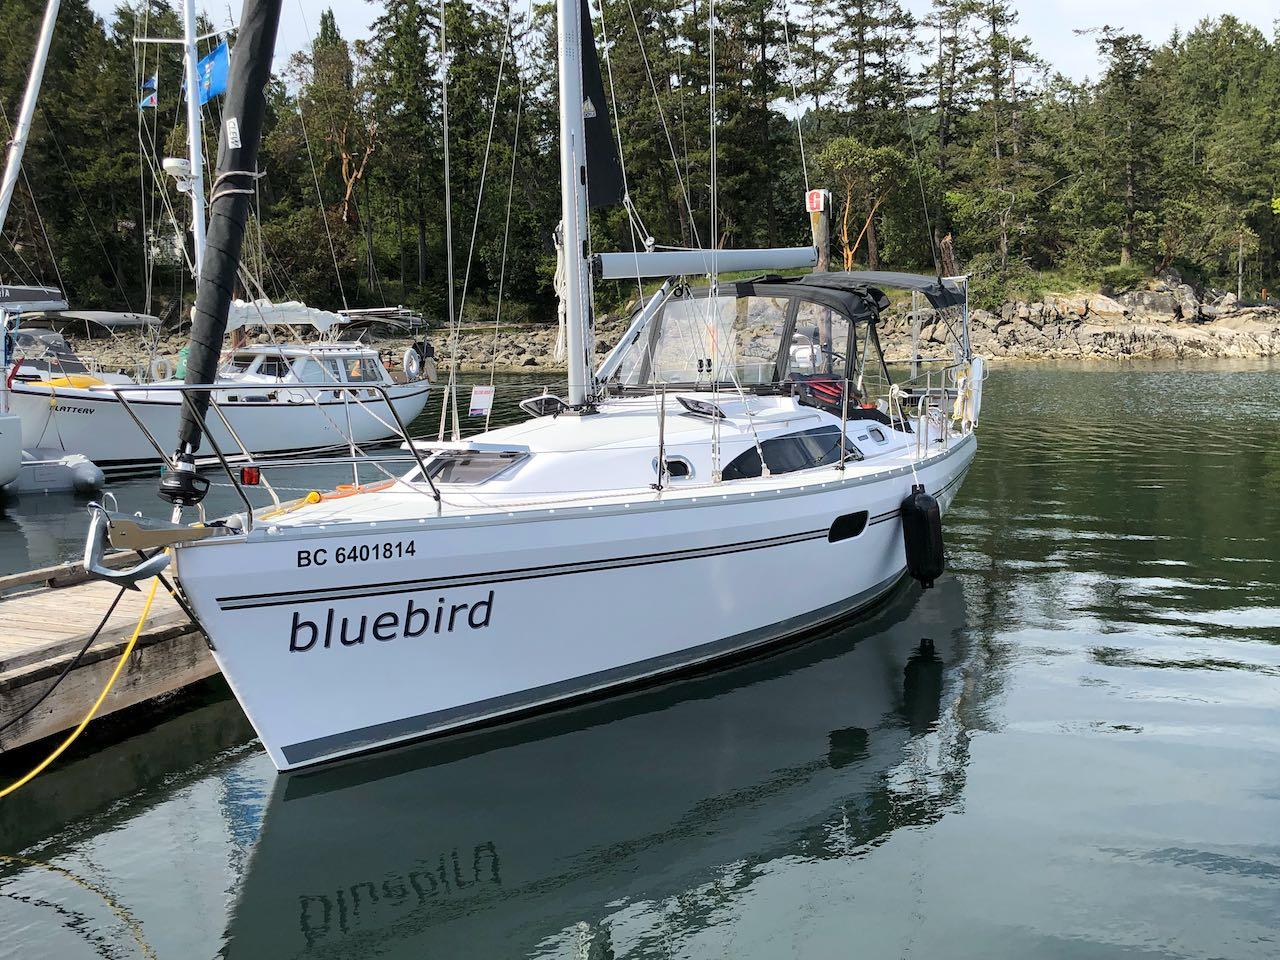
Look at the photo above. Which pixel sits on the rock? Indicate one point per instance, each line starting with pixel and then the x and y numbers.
pixel 1228 302
pixel 1188 305
pixel 1107 309
pixel 529 362
pixel 1159 302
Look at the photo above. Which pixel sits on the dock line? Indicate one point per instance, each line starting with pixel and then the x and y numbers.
pixel 66 671
pixel 111 681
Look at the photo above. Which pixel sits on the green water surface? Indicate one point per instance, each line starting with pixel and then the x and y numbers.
pixel 1070 748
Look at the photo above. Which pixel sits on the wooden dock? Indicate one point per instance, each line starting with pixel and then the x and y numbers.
pixel 46 616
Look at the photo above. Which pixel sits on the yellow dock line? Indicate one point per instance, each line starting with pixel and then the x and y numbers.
pixel 71 737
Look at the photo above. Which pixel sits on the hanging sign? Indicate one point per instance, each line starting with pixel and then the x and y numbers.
pixel 815 201
pixel 481 401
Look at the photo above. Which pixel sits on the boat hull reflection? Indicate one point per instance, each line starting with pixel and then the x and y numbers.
pixel 490 844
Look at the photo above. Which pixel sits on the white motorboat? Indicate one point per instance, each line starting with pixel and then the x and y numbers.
pixel 705 493
pixel 270 395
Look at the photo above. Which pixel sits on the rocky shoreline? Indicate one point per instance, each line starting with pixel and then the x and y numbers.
pixel 1161 322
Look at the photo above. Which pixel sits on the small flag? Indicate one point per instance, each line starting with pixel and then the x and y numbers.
pixel 212 73
pixel 152 84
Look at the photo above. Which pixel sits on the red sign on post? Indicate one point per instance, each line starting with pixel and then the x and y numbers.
pixel 815 201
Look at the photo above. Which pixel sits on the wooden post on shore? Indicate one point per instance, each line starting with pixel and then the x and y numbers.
pixel 818 203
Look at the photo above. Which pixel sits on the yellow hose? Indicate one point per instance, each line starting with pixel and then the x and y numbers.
pixel 111 682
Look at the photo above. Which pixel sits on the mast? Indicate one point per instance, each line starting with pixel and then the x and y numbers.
pixel 573 201
pixel 233 187
pixel 22 128
pixel 195 140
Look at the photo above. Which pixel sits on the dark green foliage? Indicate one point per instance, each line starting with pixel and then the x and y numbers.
pixel 941 137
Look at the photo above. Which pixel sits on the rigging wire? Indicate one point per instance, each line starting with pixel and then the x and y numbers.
pixel 53 137
pixel 795 93
pixel 324 215
pixel 475 223
pixel 311 159
pixel 653 86
pixel 452 390
pixel 634 220
pixel 506 233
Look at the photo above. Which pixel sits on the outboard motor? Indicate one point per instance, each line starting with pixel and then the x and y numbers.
pixel 922 536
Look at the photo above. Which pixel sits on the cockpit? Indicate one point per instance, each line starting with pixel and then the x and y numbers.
pixel 772 336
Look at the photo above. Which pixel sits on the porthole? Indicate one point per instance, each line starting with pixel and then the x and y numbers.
pixel 678 468
pixel 847 527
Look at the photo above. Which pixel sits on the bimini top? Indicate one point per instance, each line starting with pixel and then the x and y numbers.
pixel 868 286
pixel 15 299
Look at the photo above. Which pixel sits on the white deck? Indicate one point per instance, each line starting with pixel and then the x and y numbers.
pixel 606 460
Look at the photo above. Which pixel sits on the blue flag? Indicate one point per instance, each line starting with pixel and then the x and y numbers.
pixel 152 85
pixel 212 71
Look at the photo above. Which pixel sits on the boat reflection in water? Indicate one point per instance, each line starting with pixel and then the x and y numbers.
pixel 520 839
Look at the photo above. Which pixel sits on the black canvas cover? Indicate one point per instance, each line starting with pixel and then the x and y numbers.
pixel 940 293
pixel 604 171
pixel 15 299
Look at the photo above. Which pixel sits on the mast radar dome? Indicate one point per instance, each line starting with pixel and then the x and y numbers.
pixel 180 169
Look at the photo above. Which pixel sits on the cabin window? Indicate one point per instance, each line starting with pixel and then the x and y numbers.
pixel 277 367
pixel 467 466
pixel 363 370
pixel 308 370
pixel 241 362
pixel 817 447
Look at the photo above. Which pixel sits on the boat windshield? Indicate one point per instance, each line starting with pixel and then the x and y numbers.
pixel 759 343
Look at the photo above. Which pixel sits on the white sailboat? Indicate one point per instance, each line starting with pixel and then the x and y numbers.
pixel 737 472
pixel 268 393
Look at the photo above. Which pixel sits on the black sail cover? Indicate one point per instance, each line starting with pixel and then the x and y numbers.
pixel 242 119
pixel 604 171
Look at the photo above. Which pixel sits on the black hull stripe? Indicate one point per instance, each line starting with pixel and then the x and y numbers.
pixel 326 594
pixel 393 587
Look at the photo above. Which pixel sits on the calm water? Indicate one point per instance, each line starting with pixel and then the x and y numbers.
pixel 1069 748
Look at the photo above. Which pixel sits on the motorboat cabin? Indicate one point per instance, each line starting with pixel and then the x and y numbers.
pixel 265 368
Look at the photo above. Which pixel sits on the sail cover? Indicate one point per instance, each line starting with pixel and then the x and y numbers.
pixel 604 170
pixel 293 313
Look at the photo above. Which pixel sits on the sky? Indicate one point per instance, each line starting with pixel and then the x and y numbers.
pixel 1049 23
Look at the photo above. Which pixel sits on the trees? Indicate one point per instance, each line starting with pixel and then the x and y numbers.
pixel 1166 160
pixel 864 177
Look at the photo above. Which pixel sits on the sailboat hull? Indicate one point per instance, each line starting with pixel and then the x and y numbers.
pixel 95 423
pixel 10 448
pixel 373 637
